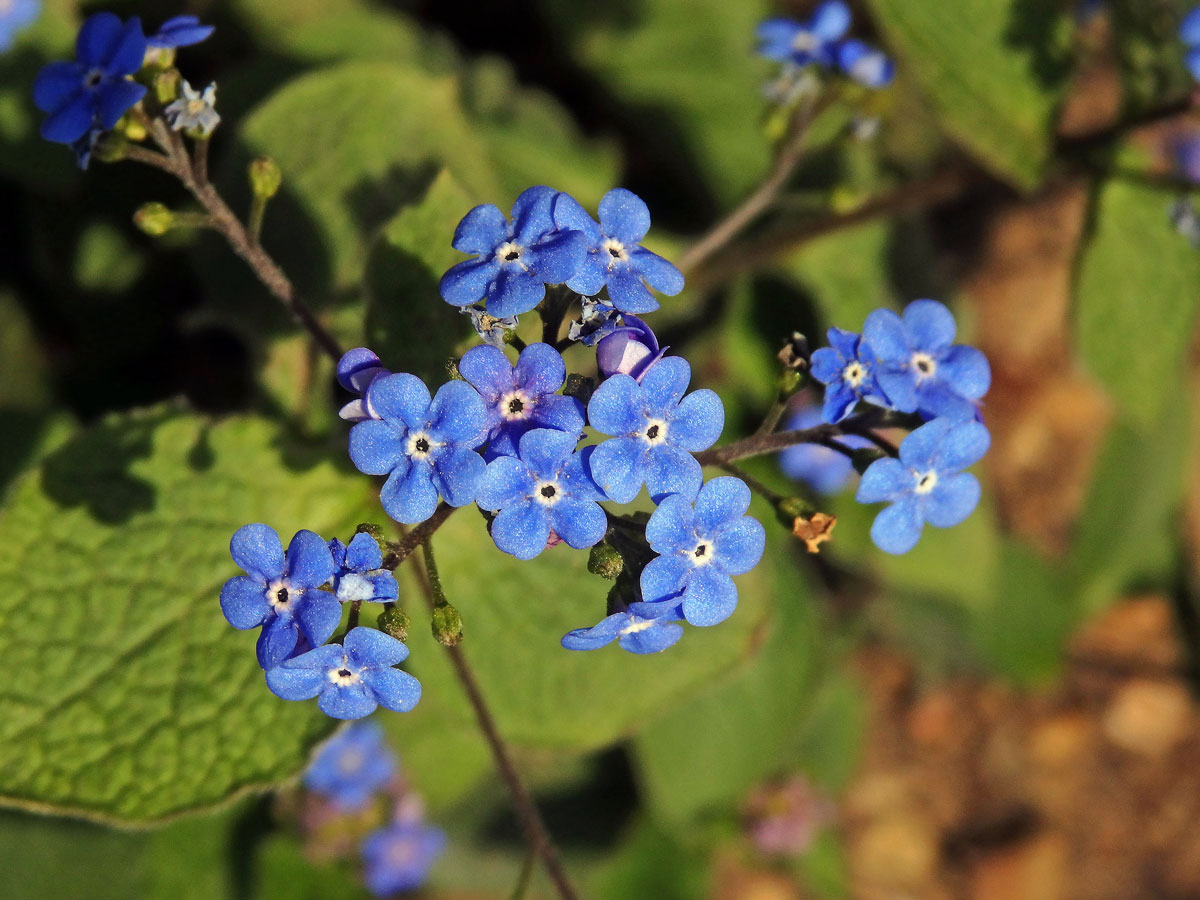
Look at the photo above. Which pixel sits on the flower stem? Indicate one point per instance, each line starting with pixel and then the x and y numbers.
pixel 535 829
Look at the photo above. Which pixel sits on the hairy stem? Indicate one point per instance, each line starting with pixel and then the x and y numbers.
pixel 761 444
pixel 531 820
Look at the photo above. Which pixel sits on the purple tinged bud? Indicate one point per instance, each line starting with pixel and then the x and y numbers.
pixel 630 350
pixel 355 371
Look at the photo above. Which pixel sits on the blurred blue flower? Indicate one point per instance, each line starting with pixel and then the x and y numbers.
pixel 522 397
pixel 425 447
pixel 352 678
pixel 93 92
pixel 700 548
pixel 824 470
pixel 615 257
pixel 514 262
pixel 865 64
pixel 180 31
pixel 280 592
pixel 632 633
pixel 15 15
pixel 801 43
pixel 847 369
pixel 352 766
pixel 655 429
pixel 358 574
pixel 397 858
pixel 926 484
pixel 546 488
pixel 919 367
pixel 1189 34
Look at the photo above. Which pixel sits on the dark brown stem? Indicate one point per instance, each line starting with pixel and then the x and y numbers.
pixel 352 619
pixel 761 444
pixel 531 820
pixel 399 551
pixel 151 158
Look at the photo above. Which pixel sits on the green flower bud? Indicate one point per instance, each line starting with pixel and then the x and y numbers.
pixel 166 85
pixel 394 621
pixel 447 625
pixel 265 178
pixel 154 219
pixel 605 561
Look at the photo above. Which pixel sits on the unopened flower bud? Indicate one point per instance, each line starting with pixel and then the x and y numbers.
pixel 265 178
pixel 605 561
pixel 154 219
pixel 395 622
pixel 447 625
pixel 166 85
pixel 630 350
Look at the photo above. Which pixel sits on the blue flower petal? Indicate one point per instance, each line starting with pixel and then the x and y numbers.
pixel 309 562
pixel 363 553
pixel 661 274
pixel 617 406
pixel 400 399
pixel 952 500
pixel 966 370
pixel 126 55
pixel 627 293
pixel 296 683
pixel 181 31
pixel 710 597
pixel 738 546
pixel 885 479
pixel 367 647
pixel 409 496
pixel 562 413
pixel 662 579
pixel 776 36
pixel 722 500
pixel 618 466
pixel 884 331
pixel 1192 61
pixel 243 602
pixel 590 277
pixel 488 370
pixel 516 292
pixel 827 365
pixel 376 448
pixel 71 121
pixel 962 445
pixel 664 384
pixel 481 230
pixel 56 84
pixel 830 21
pixel 936 399
pixel 899 387
pixel 457 415
pixel 276 641
pixel 652 640
pixel 521 530
pixel 697 422
pixel 600 635
pixel 624 215
pixel 505 482
pixel 897 528
pixel 569 215
pixel 545 450
pixel 395 690
pixel 559 256
pixel 349 701
pixel 581 523
pixel 468 282
pixel 670 470
pixel 1189 28
pixel 577 475
pixel 672 527
pixel 533 214
pixel 98 39
pixel 920 449
pixel 930 325
pixel 457 473
pixel 540 369
pixel 318 616
pixel 257 549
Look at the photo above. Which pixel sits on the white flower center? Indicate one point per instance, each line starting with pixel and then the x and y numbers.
pixel 343 676
pixel 702 554
pixel 924 365
pixel 509 253
pixel 353 586
pixel 547 493
pixel 926 482
pixel 805 42
pixel 278 596
pixel 655 433
pixel 515 405
pixel 351 761
pixel 854 374
pixel 420 445
pixel 635 625
pixel 615 250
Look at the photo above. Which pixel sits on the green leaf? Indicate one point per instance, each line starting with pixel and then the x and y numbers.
pixel 1137 300
pixel 651 862
pixel 140 701
pixel 687 75
pixel 992 69
pixel 355 142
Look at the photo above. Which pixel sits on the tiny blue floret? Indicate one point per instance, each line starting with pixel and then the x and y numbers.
pixel 514 261
pixel 425 447
pixel 94 91
pixel 919 367
pixel 700 549
pixel 397 858
pixel 352 678
pixel 926 484
pixel 847 369
pixel 615 257
pixel 655 429
pixel 522 397
pixel 352 766
pixel 547 488
pixel 801 43
pixel 358 574
pixel 632 633
pixel 280 592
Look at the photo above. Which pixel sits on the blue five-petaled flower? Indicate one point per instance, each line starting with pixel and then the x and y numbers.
pixel 920 368
pixel 92 93
pixel 357 574
pixel 352 679
pixel 514 261
pixel 397 858
pixel 615 256
pixel 425 447
pixel 926 484
pixel 700 549
pixel 352 766
pixel 522 397
pixel 633 633
pixel 847 369
pixel 655 429
pixel 801 43
pixel 281 591
pixel 547 488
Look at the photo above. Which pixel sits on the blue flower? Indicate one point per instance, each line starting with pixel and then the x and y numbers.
pixel 352 766
pixel 865 64
pixel 847 369
pixel 93 91
pixel 426 448
pixel 629 350
pixel 597 321
pixel 656 429
pixel 823 469
pixel 615 256
pixel 352 678
pixel 926 484
pixel 919 369
pixel 632 633
pixel 514 261
pixel 194 111
pixel 14 16
pixel 522 397
pixel 281 591
pixel 490 329
pixel 1189 34
pixel 358 574
pixel 699 550
pixel 356 370
pixel 546 488
pixel 397 858
pixel 801 43
pixel 180 31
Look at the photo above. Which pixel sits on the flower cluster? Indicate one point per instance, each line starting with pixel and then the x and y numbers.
pixel 115 66
pixel 821 41
pixel 910 364
pixel 296 598
pixel 357 797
